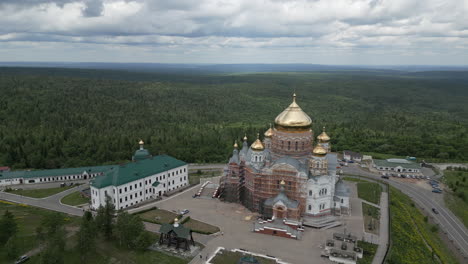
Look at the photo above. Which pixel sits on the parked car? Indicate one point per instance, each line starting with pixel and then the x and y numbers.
pixel 436 190
pixel 435 211
pixel 185 211
pixel 22 259
pixel 385 176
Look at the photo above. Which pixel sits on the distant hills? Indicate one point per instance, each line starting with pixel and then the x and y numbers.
pixel 231 68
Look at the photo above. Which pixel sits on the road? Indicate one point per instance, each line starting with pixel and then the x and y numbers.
pixel 50 203
pixel 448 222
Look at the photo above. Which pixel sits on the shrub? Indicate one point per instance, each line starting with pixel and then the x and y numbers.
pixel 146 210
pixel 186 219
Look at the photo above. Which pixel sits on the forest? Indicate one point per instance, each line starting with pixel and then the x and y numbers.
pixel 54 117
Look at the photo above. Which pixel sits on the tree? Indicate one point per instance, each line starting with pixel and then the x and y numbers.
pixel 128 230
pixel 11 248
pixel 8 227
pixel 144 240
pixel 54 237
pixel 104 218
pixel 86 235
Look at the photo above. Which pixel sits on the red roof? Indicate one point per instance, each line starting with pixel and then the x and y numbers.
pixel 4 168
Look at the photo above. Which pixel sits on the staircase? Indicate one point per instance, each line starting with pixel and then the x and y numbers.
pixel 322 222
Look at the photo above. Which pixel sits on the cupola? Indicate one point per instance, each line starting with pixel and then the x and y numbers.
pixel 257 145
pixel 293 118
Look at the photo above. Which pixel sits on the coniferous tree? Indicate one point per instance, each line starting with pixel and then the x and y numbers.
pixel 8 227
pixel 11 248
pixel 86 235
pixel 104 218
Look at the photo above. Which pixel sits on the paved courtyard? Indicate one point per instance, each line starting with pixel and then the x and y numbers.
pixel 236 229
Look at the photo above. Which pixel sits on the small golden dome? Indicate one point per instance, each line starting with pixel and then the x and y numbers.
pixel 293 117
pixel 176 220
pixel 245 137
pixel 269 132
pixel 235 144
pixel 319 151
pixel 282 182
pixel 141 142
pixel 257 145
pixel 323 137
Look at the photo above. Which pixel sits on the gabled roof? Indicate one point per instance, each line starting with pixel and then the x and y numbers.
pixel 132 171
pixel 53 172
pixel 180 231
pixel 352 154
pixel 283 198
pixel 387 163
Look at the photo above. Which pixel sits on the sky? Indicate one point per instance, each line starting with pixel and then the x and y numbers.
pixel 334 32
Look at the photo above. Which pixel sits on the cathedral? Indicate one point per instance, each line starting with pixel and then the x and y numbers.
pixel 286 176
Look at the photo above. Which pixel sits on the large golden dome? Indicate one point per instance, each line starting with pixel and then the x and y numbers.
pixel 323 137
pixel 293 117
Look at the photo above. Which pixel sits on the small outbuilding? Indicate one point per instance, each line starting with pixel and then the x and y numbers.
pixel 176 235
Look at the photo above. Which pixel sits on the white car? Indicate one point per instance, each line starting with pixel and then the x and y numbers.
pixel 184 212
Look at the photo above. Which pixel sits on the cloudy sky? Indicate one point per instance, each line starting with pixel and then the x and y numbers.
pixel 236 31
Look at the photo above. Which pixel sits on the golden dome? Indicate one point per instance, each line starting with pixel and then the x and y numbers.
pixel 141 142
pixel 269 132
pixel 293 117
pixel 245 137
pixel 319 151
pixel 282 182
pixel 257 145
pixel 323 137
pixel 235 144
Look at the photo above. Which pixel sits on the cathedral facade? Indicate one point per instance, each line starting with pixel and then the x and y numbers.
pixel 286 175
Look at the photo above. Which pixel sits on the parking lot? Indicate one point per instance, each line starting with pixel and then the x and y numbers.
pixel 235 224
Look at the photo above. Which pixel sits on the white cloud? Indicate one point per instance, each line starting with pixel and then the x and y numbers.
pixel 220 27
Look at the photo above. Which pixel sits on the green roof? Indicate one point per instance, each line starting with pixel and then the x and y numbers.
pixel 53 172
pixel 181 231
pixel 406 165
pixel 141 154
pixel 118 175
pixel 155 184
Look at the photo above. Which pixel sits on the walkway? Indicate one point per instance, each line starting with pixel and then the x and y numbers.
pixel 383 234
pixel 50 203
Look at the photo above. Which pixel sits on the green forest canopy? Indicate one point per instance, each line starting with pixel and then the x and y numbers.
pixel 53 118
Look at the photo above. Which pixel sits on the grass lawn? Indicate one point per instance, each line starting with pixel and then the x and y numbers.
pixel 413 240
pixel 371 216
pixel 369 251
pixel 109 252
pixel 457 200
pixel 369 191
pixel 158 216
pixel 40 193
pixel 75 198
pixel 200 227
pixel 229 257
pixel 28 219
pixel 352 179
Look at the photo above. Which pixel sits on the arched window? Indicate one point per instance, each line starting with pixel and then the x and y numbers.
pixel 282 144
pixel 302 145
pixel 289 145
pixel 310 207
pixel 310 193
pixel 296 145
pixel 341 200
